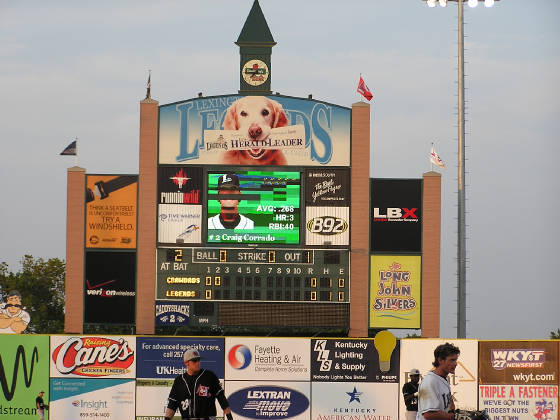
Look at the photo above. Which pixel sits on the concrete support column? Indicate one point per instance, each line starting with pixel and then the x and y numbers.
pixel 360 221
pixel 431 244
pixel 74 282
pixel 147 218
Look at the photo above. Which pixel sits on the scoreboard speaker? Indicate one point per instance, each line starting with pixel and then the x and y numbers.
pixel 284 314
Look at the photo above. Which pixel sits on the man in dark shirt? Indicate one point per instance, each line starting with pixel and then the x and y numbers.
pixel 40 404
pixel 195 391
pixel 410 393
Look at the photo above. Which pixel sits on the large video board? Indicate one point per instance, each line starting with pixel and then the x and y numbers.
pixel 265 204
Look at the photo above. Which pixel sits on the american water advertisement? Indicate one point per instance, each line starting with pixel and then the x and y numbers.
pixel 354 401
pixel 254 130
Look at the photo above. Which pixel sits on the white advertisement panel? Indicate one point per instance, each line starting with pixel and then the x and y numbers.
pixel 269 400
pixel 354 400
pixel 151 398
pixel 72 398
pixel 93 356
pixel 179 223
pixel 522 402
pixel 419 354
pixel 266 358
pixel 327 225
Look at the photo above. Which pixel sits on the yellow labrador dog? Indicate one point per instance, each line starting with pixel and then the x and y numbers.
pixel 255 116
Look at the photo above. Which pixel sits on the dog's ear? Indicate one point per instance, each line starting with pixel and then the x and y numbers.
pixel 280 119
pixel 230 121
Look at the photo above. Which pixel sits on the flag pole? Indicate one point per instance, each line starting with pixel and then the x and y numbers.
pixel 360 96
pixel 431 161
pixel 76 155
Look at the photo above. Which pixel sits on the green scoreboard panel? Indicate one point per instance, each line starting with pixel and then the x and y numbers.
pixel 253 275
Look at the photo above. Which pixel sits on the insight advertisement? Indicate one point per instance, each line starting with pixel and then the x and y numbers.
pixel 111 206
pixel 257 131
pixel 262 400
pixel 419 354
pixel 93 356
pixel 73 398
pixel 348 360
pixel 24 371
pixel 518 362
pixel 110 287
pixel 327 226
pixel 258 359
pixel 354 401
pixel 395 291
pixel 519 401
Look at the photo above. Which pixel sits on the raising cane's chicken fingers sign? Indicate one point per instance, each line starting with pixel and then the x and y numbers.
pixel 93 356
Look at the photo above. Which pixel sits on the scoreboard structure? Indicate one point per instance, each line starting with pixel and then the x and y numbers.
pixel 253 210
pixel 270 230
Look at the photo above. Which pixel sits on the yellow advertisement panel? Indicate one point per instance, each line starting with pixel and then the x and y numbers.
pixel 111 207
pixel 394 291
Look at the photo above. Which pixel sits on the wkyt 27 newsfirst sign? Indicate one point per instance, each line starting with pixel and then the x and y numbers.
pixel 254 130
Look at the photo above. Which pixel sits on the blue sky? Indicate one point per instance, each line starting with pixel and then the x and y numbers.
pixel 79 69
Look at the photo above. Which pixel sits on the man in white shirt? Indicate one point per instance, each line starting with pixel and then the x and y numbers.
pixel 434 394
pixel 229 217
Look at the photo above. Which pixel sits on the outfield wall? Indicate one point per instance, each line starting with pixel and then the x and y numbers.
pixel 129 377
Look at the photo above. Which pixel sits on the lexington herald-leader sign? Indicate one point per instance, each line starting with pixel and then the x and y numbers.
pixel 254 130
pixel 396 215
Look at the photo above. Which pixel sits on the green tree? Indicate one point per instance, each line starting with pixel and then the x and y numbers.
pixel 41 284
pixel 555 335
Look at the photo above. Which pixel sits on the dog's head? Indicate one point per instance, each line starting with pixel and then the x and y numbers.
pixel 255 116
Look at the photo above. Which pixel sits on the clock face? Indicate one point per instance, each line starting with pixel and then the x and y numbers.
pixel 255 72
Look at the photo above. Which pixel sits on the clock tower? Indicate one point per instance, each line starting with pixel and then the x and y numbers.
pixel 255 48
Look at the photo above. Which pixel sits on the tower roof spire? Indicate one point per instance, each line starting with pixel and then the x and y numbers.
pixel 255 30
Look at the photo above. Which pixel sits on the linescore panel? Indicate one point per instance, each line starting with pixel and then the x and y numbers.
pixel 248 274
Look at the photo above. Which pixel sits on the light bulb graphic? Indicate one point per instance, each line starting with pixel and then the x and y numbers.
pixel 385 343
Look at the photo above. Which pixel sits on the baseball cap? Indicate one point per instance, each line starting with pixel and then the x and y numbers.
pixel 41 392
pixel 414 372
pixel 228 181
pixel 191 354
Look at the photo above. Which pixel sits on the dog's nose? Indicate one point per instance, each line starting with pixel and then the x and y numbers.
pixel 255 131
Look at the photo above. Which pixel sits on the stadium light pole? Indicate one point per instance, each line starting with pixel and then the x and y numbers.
pixel 461 209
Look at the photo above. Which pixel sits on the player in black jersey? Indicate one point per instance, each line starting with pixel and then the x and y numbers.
pixel 195 391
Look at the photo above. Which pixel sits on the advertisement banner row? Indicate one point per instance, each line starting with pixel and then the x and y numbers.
pixel 116 377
